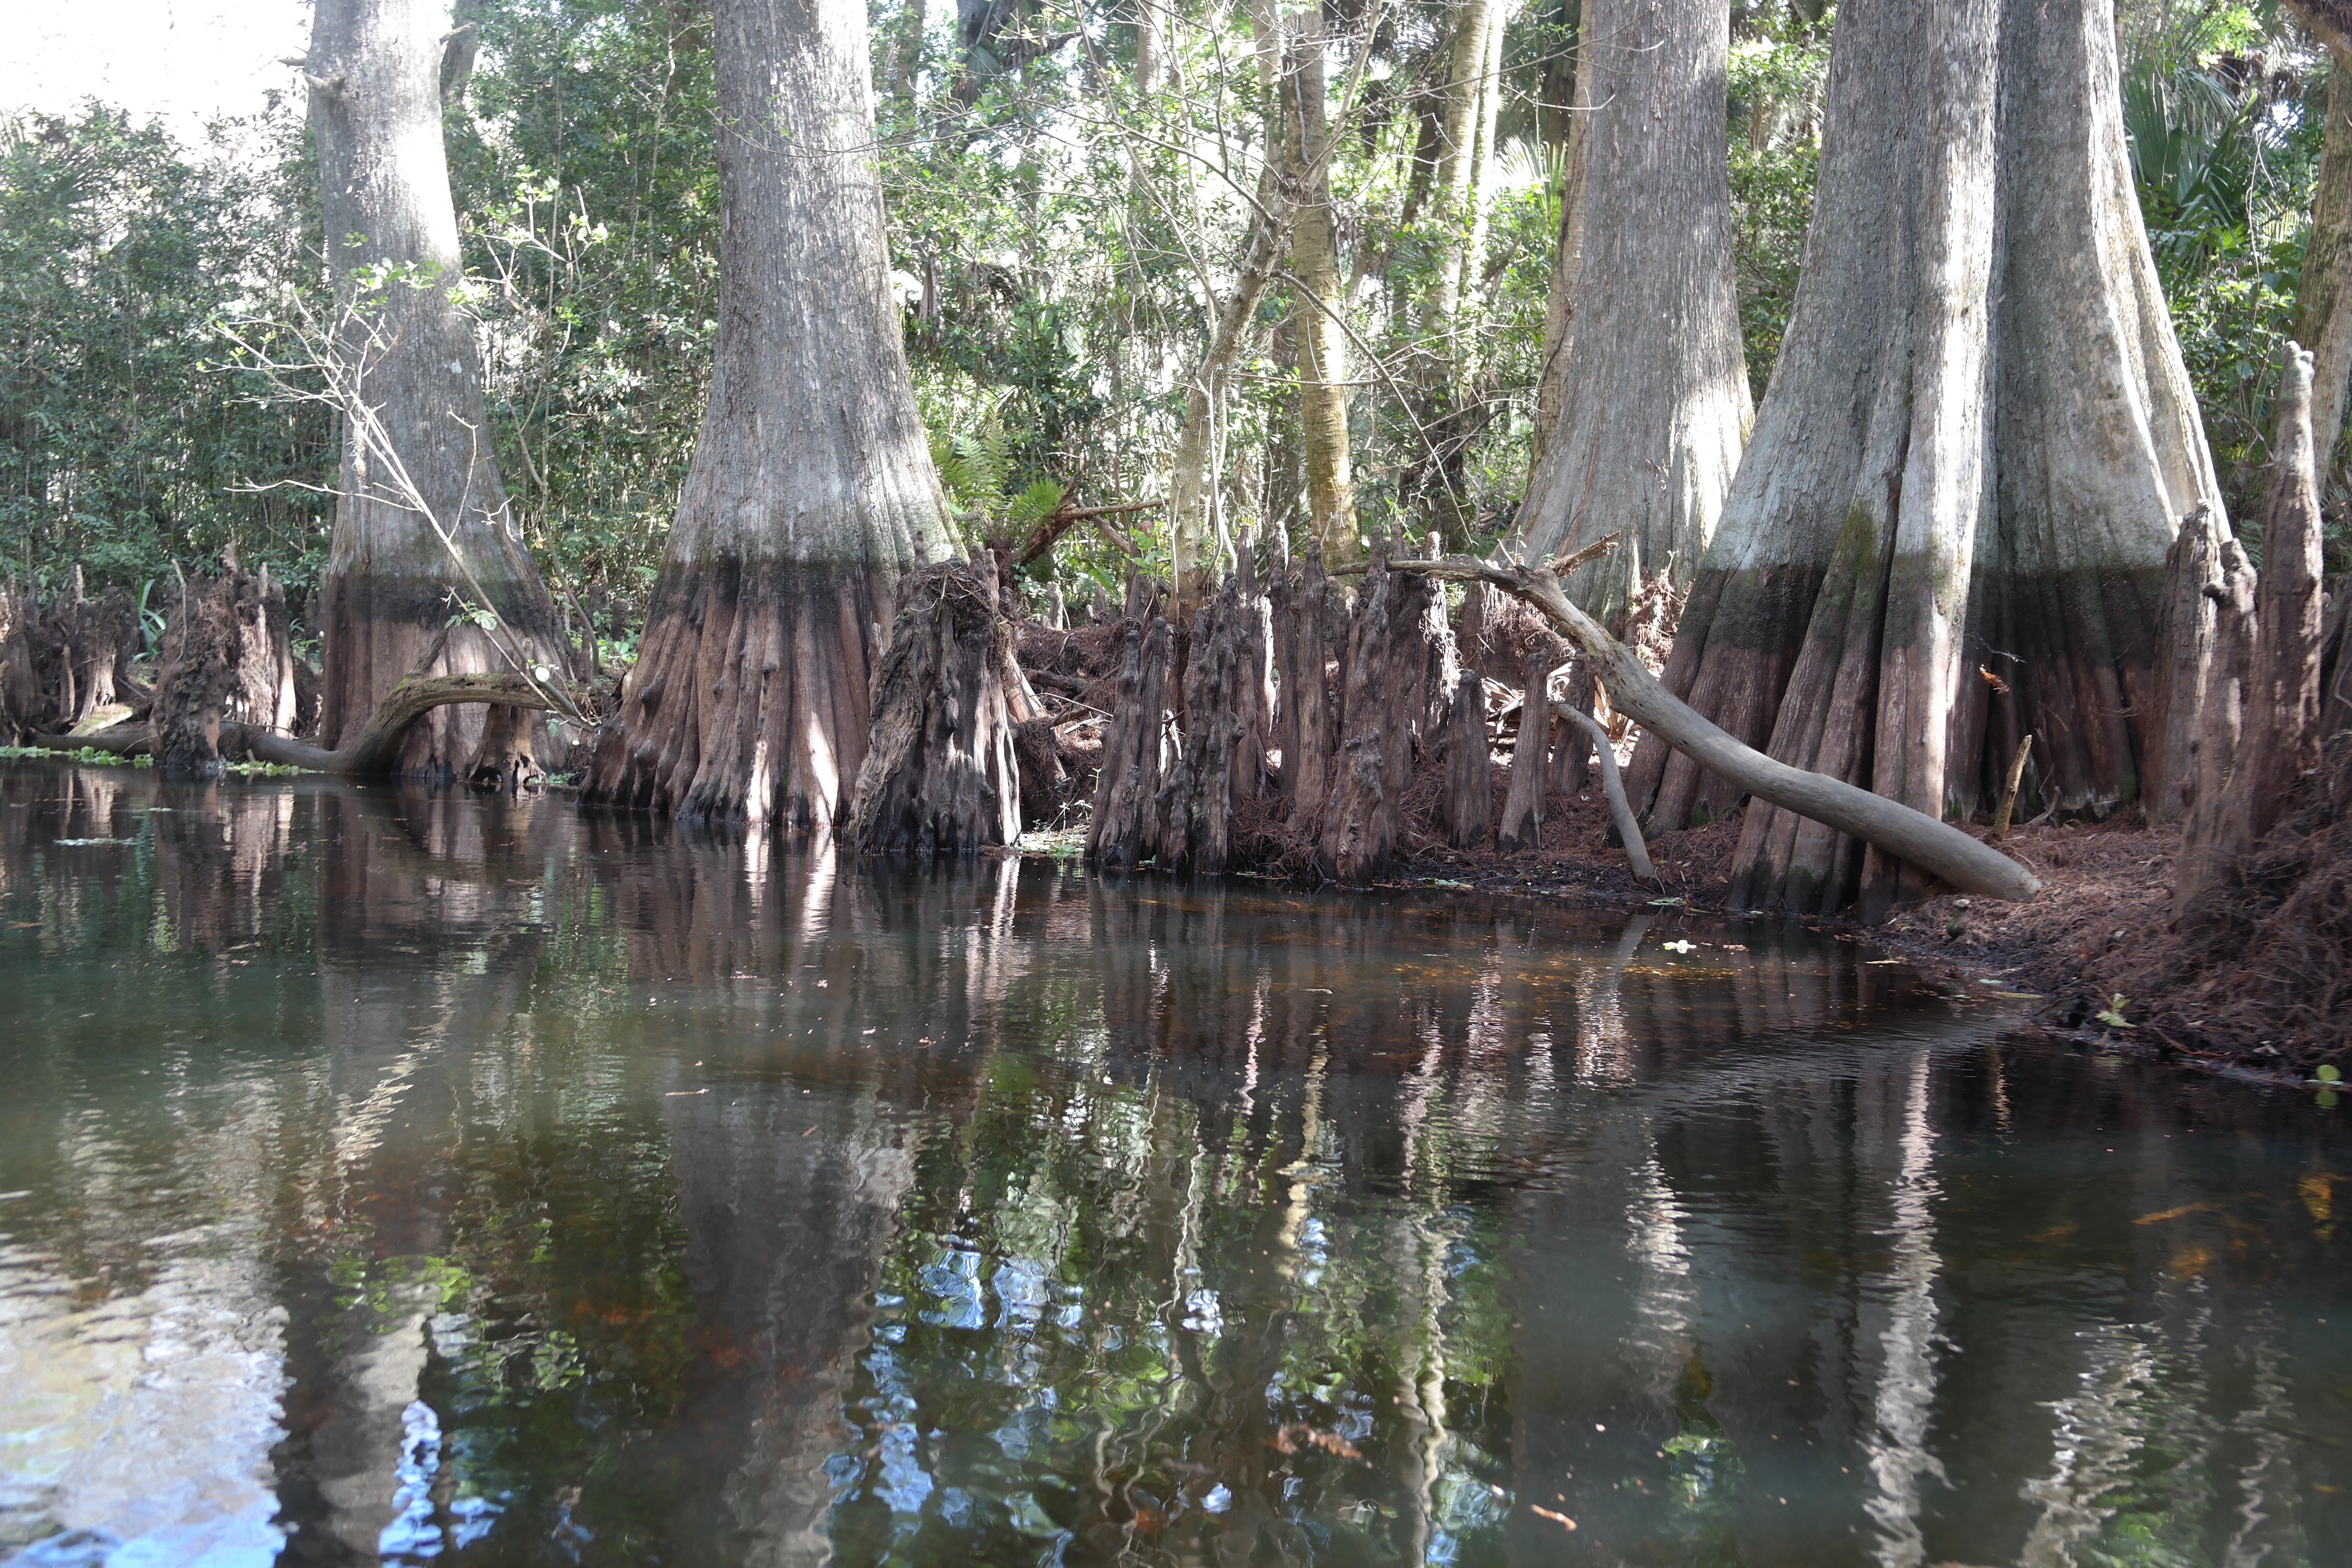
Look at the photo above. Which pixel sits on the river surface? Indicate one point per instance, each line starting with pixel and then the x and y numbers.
pixel 426 1179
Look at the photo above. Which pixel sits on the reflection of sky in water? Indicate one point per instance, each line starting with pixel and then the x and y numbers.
pixel 450 1180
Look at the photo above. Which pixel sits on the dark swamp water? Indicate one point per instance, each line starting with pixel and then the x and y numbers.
pixel 434 1179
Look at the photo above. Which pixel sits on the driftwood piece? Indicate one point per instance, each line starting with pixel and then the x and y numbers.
pixel 1521 827
pixel 1911 835
pixel 940 776
pixel 375 751
pixel 1469 765
pixel 1612 785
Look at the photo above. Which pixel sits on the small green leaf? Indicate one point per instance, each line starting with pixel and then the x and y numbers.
pixel 2331 1075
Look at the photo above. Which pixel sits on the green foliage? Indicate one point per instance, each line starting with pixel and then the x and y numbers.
pixel 127 438
pixel 2223 122
pixel 583 165
pixel 1778 66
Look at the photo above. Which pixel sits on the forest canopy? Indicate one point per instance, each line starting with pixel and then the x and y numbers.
pixel 1067 191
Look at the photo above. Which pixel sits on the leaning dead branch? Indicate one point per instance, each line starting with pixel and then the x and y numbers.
pixel 1932 846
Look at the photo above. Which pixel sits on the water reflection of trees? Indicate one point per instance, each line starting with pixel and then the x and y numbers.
pixel 714 1199
pixel 1226 1265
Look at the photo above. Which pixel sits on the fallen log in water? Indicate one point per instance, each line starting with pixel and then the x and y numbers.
pixel 1932 846
pixel 370 755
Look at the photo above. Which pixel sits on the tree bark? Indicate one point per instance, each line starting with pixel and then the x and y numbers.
pixel 226 658
pixel 2194 664
pixel 940 775
pixel 1522 824
pixel 1304 726
pixel 2324 293
pixel 1322 336
pixel 1469 767
pixel 417 461
pixel 1655 401
pixel 1567 266
pixel 2279 688
pixel 1460 123
pixel 812 488
pixel 1976 440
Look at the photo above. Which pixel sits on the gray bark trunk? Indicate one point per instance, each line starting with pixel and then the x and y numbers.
pixel 1322 337
pixel 2324 293
pixel 812 488
pixel 1197 536
pixel 1460 123
pixel 407 351
pixel 1654 389
pixel 1977 444
pixel 2278 666
pixel 1568 259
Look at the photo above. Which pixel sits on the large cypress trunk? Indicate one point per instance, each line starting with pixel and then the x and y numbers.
pixel 423 531
pixel 1655 398
pixel 1978 443
pixel 2324 292
pixel 811 489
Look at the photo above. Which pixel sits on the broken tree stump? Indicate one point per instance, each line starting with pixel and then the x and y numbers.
pixel 2186 637
pixel 1137 752
pixel 940 777
pixel 2268 627
pixel 1521 827
pixel 1228 681
pixel 1398 688
pixel 19 692
pixel 227 659
pixel 1573 744
pixel 1305 730
pixel 1469 767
